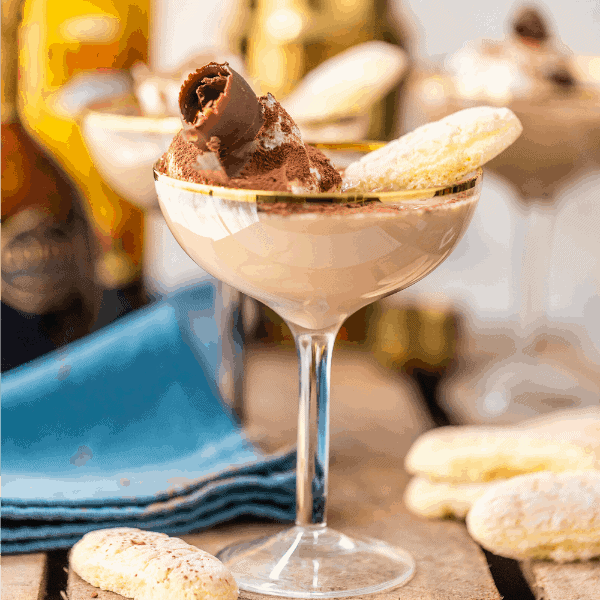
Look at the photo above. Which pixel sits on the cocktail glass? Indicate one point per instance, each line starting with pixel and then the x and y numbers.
pixel 315 259
pixel 558 143
pixel 124 146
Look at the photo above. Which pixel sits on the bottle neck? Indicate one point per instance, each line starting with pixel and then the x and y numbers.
pixel 11 15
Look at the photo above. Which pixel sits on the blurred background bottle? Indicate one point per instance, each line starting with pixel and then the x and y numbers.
pixel 419 340
pixel 60 42
pixel 285 39
pixel 65 272
pixel 49 294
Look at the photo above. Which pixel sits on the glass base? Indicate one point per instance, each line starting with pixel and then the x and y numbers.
pixel 317 562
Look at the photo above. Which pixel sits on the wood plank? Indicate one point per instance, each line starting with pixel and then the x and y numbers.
pixel 572 581
pixel 24 576
pixel 449 564
pixel 388 425
pixel 368 502
pixel 369 441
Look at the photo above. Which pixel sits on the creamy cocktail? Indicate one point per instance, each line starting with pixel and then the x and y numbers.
pixel 261 210
pixel 316 264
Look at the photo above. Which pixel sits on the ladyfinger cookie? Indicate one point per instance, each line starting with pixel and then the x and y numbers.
pixel 473 454
pixel 347 84
pixel 435 154
pixel 145 565
pixel 540 516
pixel 441 500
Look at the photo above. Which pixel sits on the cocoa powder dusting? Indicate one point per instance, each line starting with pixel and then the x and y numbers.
pixel 183 154
pixel 282 208
pixel 289 208
pixel 330 177
pixel 271 167
pixel 274 169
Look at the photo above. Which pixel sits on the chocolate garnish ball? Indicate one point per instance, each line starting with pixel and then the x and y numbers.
pixel 529 24
pixel 215 101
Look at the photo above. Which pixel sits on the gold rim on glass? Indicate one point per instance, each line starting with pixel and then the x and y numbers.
pixel 468 182
pixel 364 146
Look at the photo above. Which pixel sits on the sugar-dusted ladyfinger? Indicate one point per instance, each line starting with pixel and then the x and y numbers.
pixel 473 454
pixel 441 500
pixel 435 154
pixel 145 565
pixel 540 516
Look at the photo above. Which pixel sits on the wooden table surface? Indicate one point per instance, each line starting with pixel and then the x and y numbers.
pixel 369 441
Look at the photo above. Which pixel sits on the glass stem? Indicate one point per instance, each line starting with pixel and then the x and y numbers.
pixel 314 357
pixel 536 267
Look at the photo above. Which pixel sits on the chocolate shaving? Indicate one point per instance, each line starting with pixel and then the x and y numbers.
pixel 232 138
pixel 216 102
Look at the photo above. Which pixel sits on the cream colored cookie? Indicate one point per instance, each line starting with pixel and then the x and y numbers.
pixel 435 154
pixel 479 454
pixel 145 565
pixel 540 516
pixel 348 84
pixel 441 500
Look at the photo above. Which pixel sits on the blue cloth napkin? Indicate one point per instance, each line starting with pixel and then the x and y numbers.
pixel 126 428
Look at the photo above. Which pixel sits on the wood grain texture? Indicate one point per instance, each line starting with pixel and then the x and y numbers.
pixel 572 581
pixel 369 441
pixel 449 564
pixel 24 576
pixel 367 478
pixel 367 501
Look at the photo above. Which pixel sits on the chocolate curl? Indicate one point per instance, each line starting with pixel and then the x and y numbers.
pixel 216 102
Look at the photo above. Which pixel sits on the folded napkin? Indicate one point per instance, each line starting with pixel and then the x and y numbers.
pixel 126 428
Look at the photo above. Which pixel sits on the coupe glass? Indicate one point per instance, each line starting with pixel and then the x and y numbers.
pixel 135 142
pixel 315 259
pixel 558 144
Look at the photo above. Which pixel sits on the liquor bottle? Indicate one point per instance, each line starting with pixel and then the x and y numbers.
pixel 49 293
pixel 418 340
pixel 58 42
pixel 285 39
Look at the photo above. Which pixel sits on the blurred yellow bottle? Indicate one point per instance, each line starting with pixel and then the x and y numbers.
pixel 59 39
pixel 285 39
pixel 414 337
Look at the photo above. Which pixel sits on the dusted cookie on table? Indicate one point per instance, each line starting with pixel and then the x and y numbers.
pixel 145 565
pixel 472 454
pixel 442 500
pixel 540 516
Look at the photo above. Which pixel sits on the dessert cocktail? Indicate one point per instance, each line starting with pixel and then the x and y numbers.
pixel 558 103
pixel 271 216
